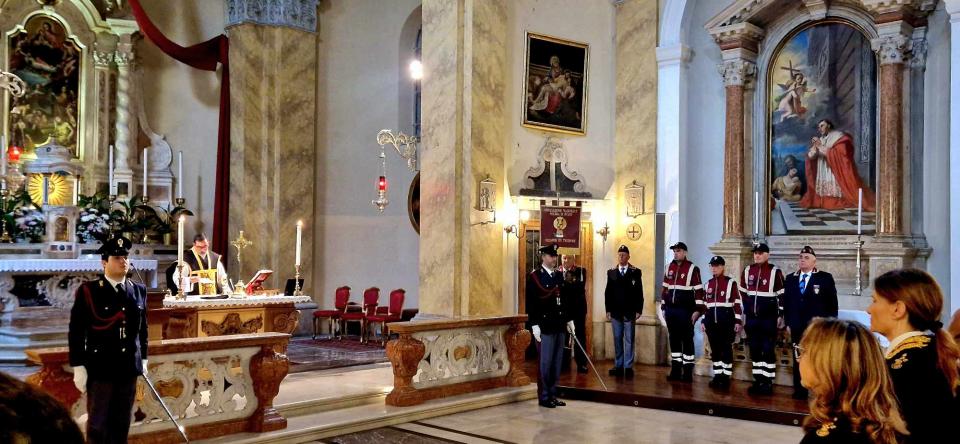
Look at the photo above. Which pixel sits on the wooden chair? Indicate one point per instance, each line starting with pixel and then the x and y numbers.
pixel 341 299
pixel 392 314
pixel 371 298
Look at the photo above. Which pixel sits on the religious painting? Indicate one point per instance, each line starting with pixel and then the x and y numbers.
pixel 555 90
pixel 413 203
pixel 822 112
pixel 486 195
pixel 48 61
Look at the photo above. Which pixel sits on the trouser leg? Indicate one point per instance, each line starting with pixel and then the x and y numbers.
pixel 551 358
pixel 628 333
pixel 109 408
pixel 618 328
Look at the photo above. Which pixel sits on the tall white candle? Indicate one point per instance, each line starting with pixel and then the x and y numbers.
pixel 145 157
pixel 299 240
pixel 859 211
pixel 180 175
pixel 3 143
pixel 110 184
pixel 46 189
pixel 180 241
pixel 756 213
pixel 76 191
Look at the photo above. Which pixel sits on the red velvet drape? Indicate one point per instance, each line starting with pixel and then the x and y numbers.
pixel 204 56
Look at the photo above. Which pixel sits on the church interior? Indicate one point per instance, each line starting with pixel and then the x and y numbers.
pixel 481 221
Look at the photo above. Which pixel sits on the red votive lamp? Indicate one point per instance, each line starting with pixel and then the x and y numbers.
pixel 382 183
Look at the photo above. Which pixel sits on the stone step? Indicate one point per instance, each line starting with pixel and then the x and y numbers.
pixel 14 341
pixel 324 424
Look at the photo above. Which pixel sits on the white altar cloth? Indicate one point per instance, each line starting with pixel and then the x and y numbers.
pixel 196 302
pixel 66 265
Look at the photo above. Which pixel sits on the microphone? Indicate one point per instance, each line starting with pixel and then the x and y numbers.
pixel 134 267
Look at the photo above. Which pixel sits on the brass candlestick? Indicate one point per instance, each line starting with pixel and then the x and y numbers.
pixel 296 281
pixel 180 295
pixel 4 193
pixel 240 243
pixel 859 289
pixel 112 199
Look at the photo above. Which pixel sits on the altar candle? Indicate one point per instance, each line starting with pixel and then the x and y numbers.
pixel 180 175
pixel 110 188
pixel 299 240
pixel 180 240
pixel 145 156
pixel 756 213
pixel 859 210
pixel 46 189
pixel 76 191
pixel 3 143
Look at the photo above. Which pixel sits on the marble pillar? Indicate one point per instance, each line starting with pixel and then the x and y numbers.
pixel 635 158
pixel 126 121
pixel 464 84
pixel 893 49
pixel 273 149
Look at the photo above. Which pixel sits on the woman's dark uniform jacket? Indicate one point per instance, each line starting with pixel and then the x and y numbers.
pixel 926 399
pixel 108 329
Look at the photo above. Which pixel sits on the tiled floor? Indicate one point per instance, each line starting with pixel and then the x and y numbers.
pixel 578 422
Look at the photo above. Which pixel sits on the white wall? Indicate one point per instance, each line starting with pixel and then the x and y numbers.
pixel 701 166
pixel 183 103
pixel 584 21
pixel 361 85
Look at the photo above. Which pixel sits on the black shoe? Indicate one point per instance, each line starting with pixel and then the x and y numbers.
pixel 581 369
pixel 628 372
pixel 761 389
pixel 800 394
pixel 687 375
pixel 558 402
pixel 754 389
pixel 616 371
pixel 715 382
pixel 676 372
pixel 548 404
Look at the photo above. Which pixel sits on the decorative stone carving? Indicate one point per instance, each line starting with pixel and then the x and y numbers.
pixel 60 289
pixel 552 175
pixel 441 363
pixel 232 325
pixel 517 339
pixel 405 354
pixel 893 48
pixel 817 8
pixel 737 72
pixel 297 14
pixel 918 52
pixel 268 368
pixel 286 322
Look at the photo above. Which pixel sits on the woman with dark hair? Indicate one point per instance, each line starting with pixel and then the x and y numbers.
pixel 852 398
pixel 923 359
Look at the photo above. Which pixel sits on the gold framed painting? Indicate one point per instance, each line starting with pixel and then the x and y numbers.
pixel 555 84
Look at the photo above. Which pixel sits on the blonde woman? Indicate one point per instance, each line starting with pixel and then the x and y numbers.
pixel 922 357
pixel 852 398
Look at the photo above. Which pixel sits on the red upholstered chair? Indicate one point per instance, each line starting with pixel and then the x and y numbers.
pixel 393 314
pixel 371 298
pixel 340 301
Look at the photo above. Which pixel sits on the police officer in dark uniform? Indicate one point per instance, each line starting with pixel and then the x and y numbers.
pixel 681 299
pixel 108 344
pixel 761 289
pixel 722 321
pixel 808 293
pixel 575 282
pixel 623 298
pixel 551 318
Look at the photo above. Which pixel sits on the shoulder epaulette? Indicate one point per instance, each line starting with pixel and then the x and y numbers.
pixel 921 341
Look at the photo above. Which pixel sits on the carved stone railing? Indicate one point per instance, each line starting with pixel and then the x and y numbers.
pixel 439 358
pixel 214 386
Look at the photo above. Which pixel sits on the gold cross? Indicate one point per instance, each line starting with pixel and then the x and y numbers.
pixel 240 243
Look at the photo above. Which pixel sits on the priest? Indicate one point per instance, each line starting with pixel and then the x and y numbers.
pixel 832 178
pixel 199 263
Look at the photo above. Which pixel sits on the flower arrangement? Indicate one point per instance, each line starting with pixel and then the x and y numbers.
pixel 93 225
pixel 29 222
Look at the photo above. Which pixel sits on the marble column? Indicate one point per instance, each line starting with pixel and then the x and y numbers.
pixel 126 122
pixel 953 8
pixel 635 159
pixel 893 47
pixel 464 83
pixel 735 73
pixel 273 64
pixel 671 138
pixel 103 66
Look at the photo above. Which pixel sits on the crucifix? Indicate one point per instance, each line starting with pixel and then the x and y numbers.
pixel 240 243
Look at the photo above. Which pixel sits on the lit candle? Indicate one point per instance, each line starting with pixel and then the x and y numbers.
pixel 180 175
pixel 145 157
pixel 859 211
pixel 110 185
pixel 756 213
pixel 299 240
pixel 180 241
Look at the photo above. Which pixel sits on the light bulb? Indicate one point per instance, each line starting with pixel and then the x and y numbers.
pixel 416 70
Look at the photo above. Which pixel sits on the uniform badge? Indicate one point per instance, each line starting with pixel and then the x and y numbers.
pixel 633 282
pixel 816 289
pixel 723 293
pixel 709 290
pixel 670 274
pixel 683 275
pixel 898 363
pixel 764 282
pixel 750 278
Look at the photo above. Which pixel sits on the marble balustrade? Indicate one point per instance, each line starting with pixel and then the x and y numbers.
pixel 215 386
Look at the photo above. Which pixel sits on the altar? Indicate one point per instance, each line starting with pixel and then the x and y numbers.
pixel 195 317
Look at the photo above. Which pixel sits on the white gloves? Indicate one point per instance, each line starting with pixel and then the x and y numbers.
pixel 536 332
pixel 570 328
pixel 80 378
pixel 144 367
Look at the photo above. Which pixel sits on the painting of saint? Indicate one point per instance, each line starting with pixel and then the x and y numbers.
pixel 555 90
pixel 48 62
pixel 821 102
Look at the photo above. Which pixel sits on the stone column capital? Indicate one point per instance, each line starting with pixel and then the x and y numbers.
pixel 297 14
pixel 918 52
pixel 892 48
pixel 102 58
pixel 124 57
pixel 737 72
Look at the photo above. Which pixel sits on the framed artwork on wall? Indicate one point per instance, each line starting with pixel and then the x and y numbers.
pixel 413 203
pixel 555 84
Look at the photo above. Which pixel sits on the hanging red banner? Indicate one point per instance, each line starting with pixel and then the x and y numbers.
pixel 560 226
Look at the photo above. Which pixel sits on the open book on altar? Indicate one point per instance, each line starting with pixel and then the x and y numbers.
pixel 256 282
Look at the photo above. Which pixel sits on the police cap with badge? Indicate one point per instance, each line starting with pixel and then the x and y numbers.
pixel 549 250
pixel 717 260
pixel 115 246
pixel 761 248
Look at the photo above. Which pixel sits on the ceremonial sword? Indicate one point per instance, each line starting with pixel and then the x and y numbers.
pixel 595 372
pixel 153 389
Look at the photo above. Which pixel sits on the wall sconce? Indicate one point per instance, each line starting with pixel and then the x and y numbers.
pixel 406 147
pixel 635 199
pixel 515 230
pixel 604 232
